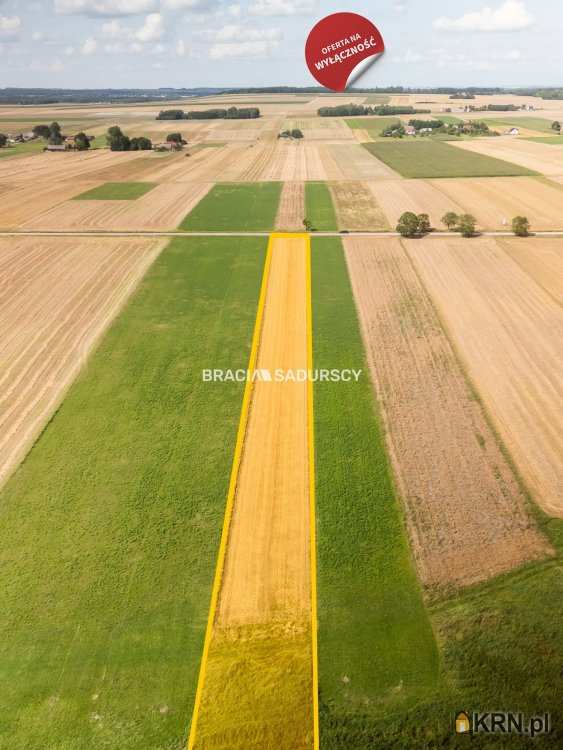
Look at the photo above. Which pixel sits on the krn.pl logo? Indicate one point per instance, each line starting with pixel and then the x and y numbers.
pixel 462 723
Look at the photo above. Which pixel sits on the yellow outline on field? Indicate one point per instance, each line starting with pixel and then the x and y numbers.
pixel 241 433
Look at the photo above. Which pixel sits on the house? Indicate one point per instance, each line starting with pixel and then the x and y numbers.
pixel 53 147
pixel 425 130
pixel 513 131
pixel 168 146
pixel 410 130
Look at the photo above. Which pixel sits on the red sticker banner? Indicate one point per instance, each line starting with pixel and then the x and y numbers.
pixel 340 43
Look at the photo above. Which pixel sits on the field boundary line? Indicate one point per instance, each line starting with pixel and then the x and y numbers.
pixel 241 433
pixel 312 502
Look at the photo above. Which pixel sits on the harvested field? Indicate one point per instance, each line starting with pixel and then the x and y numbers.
pixel 356 163
pixel 162 208
pixel 22 203
pixel 288 162
pixel 465 511
pixel 57 297
pixel 356 207
pixel 542 259
pixel 65 166
pixel 205 165
pixel 260 660
pixel 291 210
pixel 397 196
pixel 495 201
pixel 509 333
pixel 540 157
pixel 252 164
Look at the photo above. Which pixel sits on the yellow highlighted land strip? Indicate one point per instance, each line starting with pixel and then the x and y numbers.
pixel 258 680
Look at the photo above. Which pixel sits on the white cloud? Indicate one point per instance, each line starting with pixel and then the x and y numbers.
pixel 152 30
pixel 234 32
pixel 10 27
pixel 512 15
pixel 282 7
pixel 105 7
pixel 89 46
pixel 69 51
pixel 242 50
pixel 188 4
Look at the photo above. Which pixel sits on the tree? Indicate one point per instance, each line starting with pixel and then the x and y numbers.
pixel 42 131
pixel 521 226
pixel 466 225
pixel 55 135
pixel 3 140
pixel 82 142
pixel 308 224
pixel 117 140
pixel 175 138
pixel 296 133
pixel 140 144
pixel 556 126
pixel 408 225
pixel 424 225
pixel 450 220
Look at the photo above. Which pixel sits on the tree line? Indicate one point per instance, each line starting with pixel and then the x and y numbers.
pixel 418 225
pixel 360 110
pixel 232 113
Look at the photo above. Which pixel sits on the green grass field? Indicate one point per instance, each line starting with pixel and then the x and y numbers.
pixel 117 191
pixel 555 140
pixel 376 648
pixel 319 208
pixel 430 158
pixel 22 149
pixel 236 206
pixel 530 123
pixel 110 527
pixel 374 125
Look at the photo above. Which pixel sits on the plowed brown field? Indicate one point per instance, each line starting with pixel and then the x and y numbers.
pixel 162 208
pixel 495 201
pixel 291 210
pixel 259 671
pixel 56 299
pixel 509 332
pixel 356 207
pixel 542 259
pixel 465 511
pixel 397 196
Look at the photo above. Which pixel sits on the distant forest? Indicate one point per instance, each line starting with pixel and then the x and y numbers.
pixel 133 96
pixel 233 113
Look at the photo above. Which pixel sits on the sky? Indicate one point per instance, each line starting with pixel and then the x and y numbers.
pixel 191 43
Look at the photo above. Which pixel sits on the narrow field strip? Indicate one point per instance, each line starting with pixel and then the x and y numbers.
pixel 111 526
pixel 116 191
pixel 376 647
pixel 319 209
pixel 257 680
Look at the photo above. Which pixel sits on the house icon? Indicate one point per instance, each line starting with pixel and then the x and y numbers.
pixel 462 724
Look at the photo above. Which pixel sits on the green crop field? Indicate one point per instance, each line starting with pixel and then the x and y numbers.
pixel 110 527
pixel 430 158
pixel 376 647
pixel 319 208
pixel 237 206
pixel 555 140
pixel 530 123
pixel 374 125
pixel 116 191
pixel 22 149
